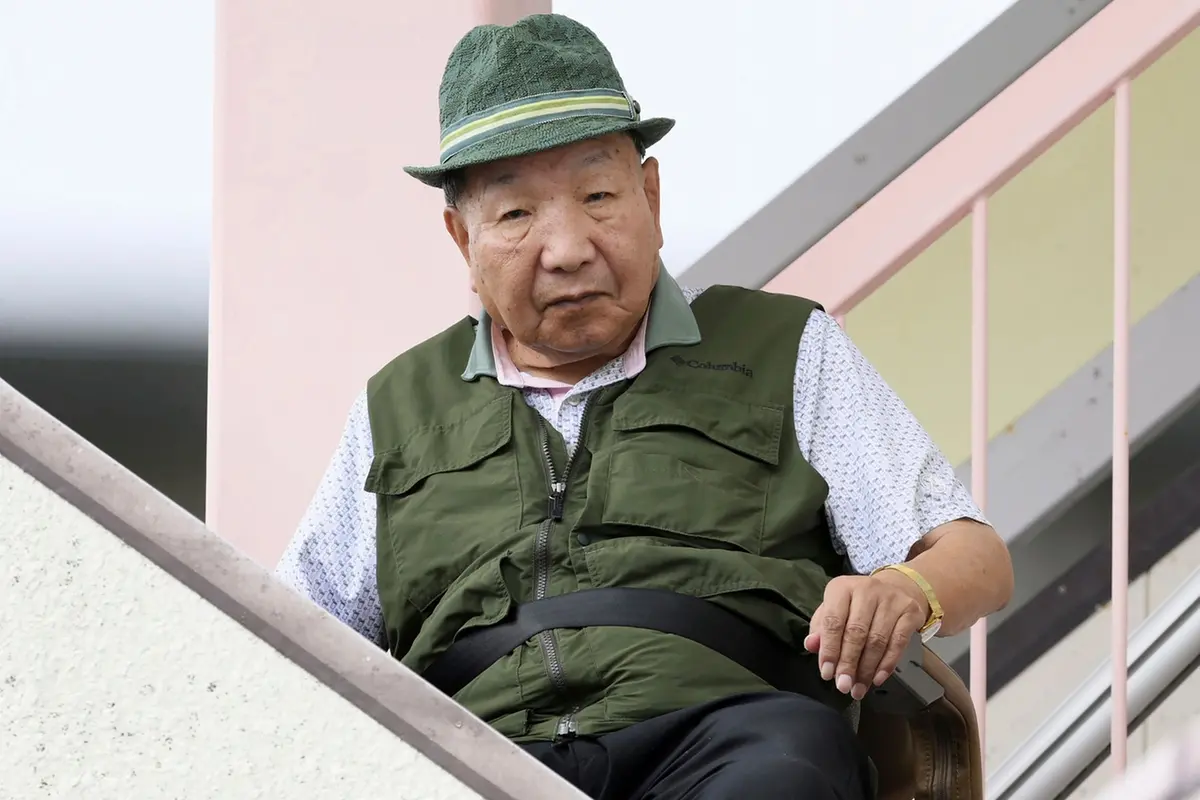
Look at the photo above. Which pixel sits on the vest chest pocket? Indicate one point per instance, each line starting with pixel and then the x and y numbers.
pixel 697 467
pixel 450 497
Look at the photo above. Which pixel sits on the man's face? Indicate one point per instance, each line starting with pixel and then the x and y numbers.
pixel 563 246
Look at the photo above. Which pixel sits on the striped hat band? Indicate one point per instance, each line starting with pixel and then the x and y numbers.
pixel 535 110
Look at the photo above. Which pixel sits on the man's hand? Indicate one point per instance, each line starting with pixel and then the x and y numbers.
pixel 863 626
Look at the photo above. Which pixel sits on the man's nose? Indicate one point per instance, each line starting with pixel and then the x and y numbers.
pixel 567 240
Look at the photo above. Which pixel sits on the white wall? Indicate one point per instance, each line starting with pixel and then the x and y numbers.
pixel 1016 711
pixel 105 169
pixel 118 682
pixel 763 89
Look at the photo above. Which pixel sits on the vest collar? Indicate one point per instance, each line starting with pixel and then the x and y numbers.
pixel 671 322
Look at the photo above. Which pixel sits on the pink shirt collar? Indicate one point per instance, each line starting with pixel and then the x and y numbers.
pixel 507 373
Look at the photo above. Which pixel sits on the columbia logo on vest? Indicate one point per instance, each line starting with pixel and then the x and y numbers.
pixel 680 361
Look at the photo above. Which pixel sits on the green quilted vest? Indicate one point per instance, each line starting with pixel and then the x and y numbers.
pixel 687 478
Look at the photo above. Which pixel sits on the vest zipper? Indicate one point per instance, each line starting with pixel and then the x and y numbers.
pixel 556 503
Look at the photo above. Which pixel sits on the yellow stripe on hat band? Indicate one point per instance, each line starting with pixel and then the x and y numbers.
pixel 534 110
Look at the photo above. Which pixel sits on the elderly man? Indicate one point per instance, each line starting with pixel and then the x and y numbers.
pixel 660 538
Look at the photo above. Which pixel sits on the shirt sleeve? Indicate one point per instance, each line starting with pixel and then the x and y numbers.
pixel 889 485
pixel 331 558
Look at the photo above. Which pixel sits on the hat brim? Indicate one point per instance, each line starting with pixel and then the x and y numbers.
pixel 542 136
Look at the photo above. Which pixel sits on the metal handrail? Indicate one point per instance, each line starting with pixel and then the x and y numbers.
pixel 1075 739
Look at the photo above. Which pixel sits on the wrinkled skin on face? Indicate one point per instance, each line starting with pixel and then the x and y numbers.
pixel 562 248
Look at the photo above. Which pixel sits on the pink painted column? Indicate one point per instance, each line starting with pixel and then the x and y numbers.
pixel 1120 460
pixel 327 260
pixel 979 436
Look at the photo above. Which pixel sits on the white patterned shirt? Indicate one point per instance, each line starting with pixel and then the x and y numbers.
pixel 889 485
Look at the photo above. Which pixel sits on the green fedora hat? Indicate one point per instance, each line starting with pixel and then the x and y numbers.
pixel 540 83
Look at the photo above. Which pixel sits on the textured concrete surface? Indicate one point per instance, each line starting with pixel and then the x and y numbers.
pixel 118 682
pixel 143 656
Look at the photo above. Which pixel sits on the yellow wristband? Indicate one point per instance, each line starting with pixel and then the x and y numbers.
pixel 934 622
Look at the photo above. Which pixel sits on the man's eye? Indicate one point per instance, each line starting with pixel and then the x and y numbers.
pixel 516 213
pixel 596 197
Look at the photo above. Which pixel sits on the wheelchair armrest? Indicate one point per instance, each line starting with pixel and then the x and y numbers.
pixel 910 689
pixel 920 731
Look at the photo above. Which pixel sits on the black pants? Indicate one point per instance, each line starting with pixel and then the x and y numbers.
pixel 775 746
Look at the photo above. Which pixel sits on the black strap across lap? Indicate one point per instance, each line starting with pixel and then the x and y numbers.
pixel 909 690
pixel 654 609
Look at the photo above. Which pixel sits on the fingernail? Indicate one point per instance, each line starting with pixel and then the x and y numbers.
pixel 858 692
pixel 844 682
pixel 827 671
pixel 880 677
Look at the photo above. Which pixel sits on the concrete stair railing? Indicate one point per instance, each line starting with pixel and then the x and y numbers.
pixel 142 656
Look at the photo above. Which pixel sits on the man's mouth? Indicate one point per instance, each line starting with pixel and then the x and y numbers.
pixel 574 300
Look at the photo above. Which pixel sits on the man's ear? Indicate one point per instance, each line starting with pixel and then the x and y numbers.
pixel 456 226
pixel 653 190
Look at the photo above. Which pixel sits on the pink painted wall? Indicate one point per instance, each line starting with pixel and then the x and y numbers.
pixel 327 259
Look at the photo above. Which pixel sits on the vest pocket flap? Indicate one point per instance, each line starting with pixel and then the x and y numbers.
pixel 751 429
pixel 450 447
